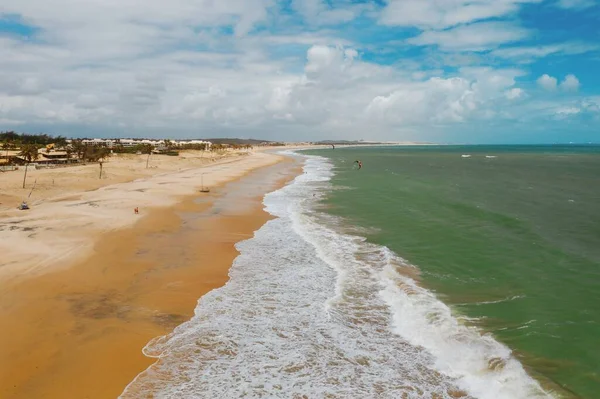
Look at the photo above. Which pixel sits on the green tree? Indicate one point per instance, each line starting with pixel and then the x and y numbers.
pixel 78 148
pixel 103 153
pixel 7 145
pixel 30 153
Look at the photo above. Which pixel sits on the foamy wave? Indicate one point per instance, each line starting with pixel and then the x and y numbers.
pixel 507 299
pixel 311 311
pixel 478 363
pixel 482 366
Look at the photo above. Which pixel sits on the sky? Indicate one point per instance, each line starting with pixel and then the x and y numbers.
pixel 445 71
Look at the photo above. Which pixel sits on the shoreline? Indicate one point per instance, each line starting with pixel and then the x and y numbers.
pixel 78 331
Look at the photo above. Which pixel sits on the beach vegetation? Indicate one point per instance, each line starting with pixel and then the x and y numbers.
pixel 195 146
pixel 78 148
pixel 19 139
pixel 7 146
pixel 88 153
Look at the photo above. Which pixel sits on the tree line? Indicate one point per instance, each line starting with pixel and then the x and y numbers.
pixel 42 139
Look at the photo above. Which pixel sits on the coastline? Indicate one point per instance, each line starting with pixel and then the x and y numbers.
pixel 78 331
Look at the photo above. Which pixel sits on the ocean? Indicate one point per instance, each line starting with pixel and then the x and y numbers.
pixel 432 272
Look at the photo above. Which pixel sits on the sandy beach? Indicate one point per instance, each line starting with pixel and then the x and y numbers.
pixel 85 283
pixel 71 206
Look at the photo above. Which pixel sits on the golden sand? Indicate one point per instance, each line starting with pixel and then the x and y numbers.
pixel 62 226
pixel 120 168
pixel 78 332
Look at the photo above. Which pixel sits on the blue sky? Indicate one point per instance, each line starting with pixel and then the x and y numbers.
pixel 468 71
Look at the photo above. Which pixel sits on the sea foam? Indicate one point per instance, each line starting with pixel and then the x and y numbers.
pixel 310 310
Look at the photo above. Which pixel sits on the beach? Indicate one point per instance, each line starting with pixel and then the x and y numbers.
pixel 299 275
pixel 85 282
pixel 323 302
pixel 71 206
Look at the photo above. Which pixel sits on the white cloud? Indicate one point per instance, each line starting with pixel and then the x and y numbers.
pixel 550 83
pixel 318 12
pixel 571 83
pixel 514 93
pixel 575 4
pixel 566 112
pixel 530 53
pixel 575 110
pixel 471 96
pixel 140 67
pixel 337 94
pixel 476 37
pixel 136 17
pixel 437 101
pixel 439 14
pixel 591 104
pixel 547 82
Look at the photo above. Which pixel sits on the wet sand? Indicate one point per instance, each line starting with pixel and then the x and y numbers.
pixel 78 332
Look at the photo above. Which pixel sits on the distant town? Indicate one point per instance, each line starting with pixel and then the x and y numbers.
pixel 128 143
pixel 42 150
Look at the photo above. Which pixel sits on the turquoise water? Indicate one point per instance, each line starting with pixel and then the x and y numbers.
pixel 507 235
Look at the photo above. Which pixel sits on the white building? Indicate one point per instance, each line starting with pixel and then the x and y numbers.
pixel 193 142
pixel 110 143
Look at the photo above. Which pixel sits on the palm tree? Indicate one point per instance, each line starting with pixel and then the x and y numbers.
pixel 30 153
pixel 146 149
pixel 102 153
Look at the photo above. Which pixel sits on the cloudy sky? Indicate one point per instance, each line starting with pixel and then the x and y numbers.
pixel 451 71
